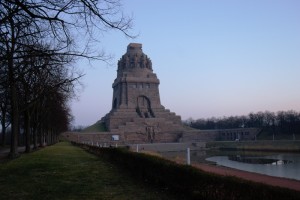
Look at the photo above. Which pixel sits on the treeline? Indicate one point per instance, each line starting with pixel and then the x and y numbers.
pixel 283 122
pixel 36 84
pixel 37 50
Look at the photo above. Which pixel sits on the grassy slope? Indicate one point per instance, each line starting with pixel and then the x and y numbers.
pixel 63 171
pixel 97 127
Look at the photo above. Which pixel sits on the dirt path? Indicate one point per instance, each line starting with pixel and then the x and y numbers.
pixel 270 180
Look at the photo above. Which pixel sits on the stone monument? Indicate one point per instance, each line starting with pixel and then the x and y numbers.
pixel 137 114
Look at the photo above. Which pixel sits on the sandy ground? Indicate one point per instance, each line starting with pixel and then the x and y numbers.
pixel 270 180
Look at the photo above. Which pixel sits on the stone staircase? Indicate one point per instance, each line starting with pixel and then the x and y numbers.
pixel 166 125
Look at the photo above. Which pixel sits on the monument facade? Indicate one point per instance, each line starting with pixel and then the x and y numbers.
pixel 137 114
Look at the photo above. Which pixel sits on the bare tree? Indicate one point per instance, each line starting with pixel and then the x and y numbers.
pixel 42 74
pixel 24 23
pixel 284 123
pixel 4 113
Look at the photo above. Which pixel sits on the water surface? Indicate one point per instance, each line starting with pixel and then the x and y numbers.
pixel 277 164
pixel 285 165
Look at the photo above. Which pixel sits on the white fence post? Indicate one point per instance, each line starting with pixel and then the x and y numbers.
pixel 188 156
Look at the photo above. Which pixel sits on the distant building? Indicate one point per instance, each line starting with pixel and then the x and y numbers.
pixel 237 134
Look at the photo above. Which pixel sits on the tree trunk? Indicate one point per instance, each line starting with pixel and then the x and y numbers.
pixel 3 124
pixel 13 95
pixel 14 111
pixel 3 132
pixel 27 131
pixel 34 138
pixel 3 135
pixel 14 123
pixel 41 139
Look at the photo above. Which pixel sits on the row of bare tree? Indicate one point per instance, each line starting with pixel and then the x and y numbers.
pixel 38 46
pixel 283 122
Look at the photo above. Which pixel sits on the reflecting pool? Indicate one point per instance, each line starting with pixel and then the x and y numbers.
pixel 275 164
pixel 270 163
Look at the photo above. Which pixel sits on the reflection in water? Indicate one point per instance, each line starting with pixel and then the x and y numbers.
pixel 258 160
pixel 275 164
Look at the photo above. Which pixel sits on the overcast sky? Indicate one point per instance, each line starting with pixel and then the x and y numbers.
pixel 213 58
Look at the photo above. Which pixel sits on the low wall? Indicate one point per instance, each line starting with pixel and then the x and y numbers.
pixel 164 147
pixel 103 139
pixel 242 134
pixel 95 139
pixel 258 145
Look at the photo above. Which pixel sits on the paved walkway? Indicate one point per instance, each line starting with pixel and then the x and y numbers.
pixel 4 151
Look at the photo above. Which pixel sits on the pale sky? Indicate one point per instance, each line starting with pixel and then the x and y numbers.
pixel 214 58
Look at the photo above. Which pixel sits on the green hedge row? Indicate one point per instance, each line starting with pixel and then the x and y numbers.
pixel 186 182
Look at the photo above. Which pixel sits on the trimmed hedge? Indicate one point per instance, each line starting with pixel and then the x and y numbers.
pixel 186 182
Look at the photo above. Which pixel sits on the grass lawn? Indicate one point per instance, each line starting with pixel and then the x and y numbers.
pixel 63 171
